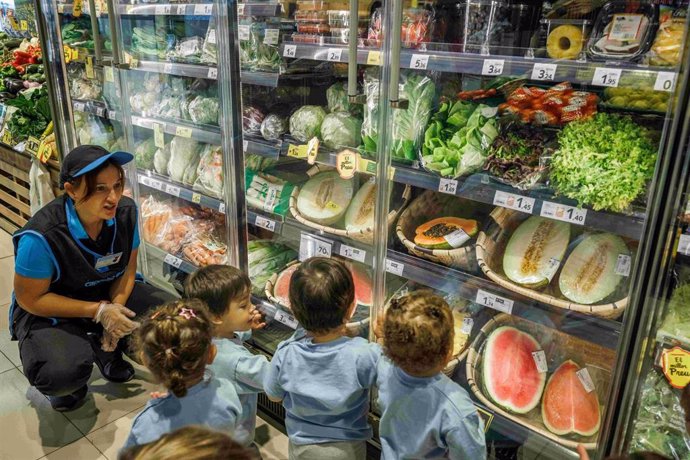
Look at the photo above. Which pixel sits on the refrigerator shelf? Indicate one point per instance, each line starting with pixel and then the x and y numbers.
pixel 96 108
pixel 259 9
pixel 170 259
pixel 68 8
pixel 167 9
pixel 163 184
pixel 178 68
pixel 209 135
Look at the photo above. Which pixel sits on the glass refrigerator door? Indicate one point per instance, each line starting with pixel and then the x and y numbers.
pixel 528 143
pixel 171 105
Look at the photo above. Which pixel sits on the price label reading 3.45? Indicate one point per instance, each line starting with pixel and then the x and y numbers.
pixel 512 201
pixel 544 72
pixel 604 76
pixel 563 212
pixel 493 67
pixel 490 300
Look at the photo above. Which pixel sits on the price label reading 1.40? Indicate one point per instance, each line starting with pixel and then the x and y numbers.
pixel 286 319
pixel 493 67
pixel 310 246
pixel 334 54
pixel 395 268
pixel 172 260
pixel 353 253
pixel 512 201
pixel 419 61
pixel 268 224
pixel 449 186
pixel 490 300
pixel 289 51
pixel 563 212
pixel 544 72
pixel 604 76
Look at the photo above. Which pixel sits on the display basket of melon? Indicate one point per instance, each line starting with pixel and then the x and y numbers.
pixel 429 225
pixel 334 205
pixel 278 287
pixel 541 378
pixel 556 263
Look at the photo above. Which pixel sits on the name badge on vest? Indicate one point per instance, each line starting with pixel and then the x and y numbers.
pixel 104 262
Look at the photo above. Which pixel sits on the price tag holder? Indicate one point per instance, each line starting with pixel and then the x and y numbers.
pixel 467 325
pixel 7 138
pixel 172 190
pixel 168 68
pixel 212 73
pixel 623 265
pixel 79 106
pixel 162 9
pixel 419 61
pixel 202 9
pixel 544 72
pixel 243 32
pixel 563 212
pixel 309 246
pixel 374 58
pixel 181 9
pixel 512 201
pixel 158 185
pixel 493 67
pixel 334 54
pixel 240 9
pixel 665 81
pixel 263 222
pixel 221 208
pixel 395 268
pixel 271 36
pixel 684 244
pixel 24 25
pixel 183 131
pixel 32 145
pixel 353 253
pixel 100 111
pixel 494 301
pixel 539 358
pixel 172 260
pixel 585 379
pixel 196 198
pixel 159 135
pixel 449 186
pixel 290 51
pixel 283 318
pixel 604 76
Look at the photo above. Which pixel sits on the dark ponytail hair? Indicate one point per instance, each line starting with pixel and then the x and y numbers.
pixel 174 343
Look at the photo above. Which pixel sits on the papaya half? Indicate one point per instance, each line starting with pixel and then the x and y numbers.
pixel 444 232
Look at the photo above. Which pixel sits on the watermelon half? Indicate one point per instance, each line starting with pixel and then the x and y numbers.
pixel 567 407
pixel 509 373
pixel 281 290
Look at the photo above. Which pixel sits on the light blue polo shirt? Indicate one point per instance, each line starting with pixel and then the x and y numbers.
pixel 247 372
pixel 34 257
pixel 213 402
pixel 426 417
pixel 324 387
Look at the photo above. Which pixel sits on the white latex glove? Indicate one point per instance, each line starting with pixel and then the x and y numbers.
pixel 108 342
pixel 115 319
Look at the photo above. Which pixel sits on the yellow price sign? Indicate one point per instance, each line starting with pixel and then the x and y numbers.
pixel 45 151
pixel 32 145
pixel 366 166
pixel 70 54
pixel 13 22
pixel 158 135
pixel 24 25
pixel 77 8
pixel 675 362
pixel 108 74
pixel 196 198
pixel 90 74
pixel 183 131
pixel 7 138
pixel 332 205
pixel 312 150
pixel 374 58
pixel 297 151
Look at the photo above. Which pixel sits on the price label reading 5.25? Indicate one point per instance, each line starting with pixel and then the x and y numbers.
pixel 512 201
pixel 268 224
pixel 563 212
pixel 604 76
pixel 493 67
pixel 449 186
pixel 353 253
pixel 490 300
pixel 334 54
pixel 290 51
pixel 419 61
pixel 544 72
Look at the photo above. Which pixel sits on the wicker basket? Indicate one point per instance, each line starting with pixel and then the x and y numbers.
pixel 491 245
pixel 430 205
pixel 558 347
pixel 363 235
pixel 354 328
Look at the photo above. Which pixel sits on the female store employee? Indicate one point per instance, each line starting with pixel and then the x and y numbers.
pixel 75 294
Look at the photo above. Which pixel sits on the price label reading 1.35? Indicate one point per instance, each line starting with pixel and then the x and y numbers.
pixel 512 201
pixel 665 81
pixel 544 72
pixel 268 224
pixel 286 319
pixel 289 51
pixel 604 76
pixel 419 61
pixel 172 260
pixel 490 300
pixel 493 67
pixel 310 246
pixel 334 54
pixel 353 253
pixel 395 268
pixel 563 212
pixel 449 186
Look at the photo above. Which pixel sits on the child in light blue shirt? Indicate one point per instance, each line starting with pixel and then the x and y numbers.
pixel 322 376
pixel 175 345
pixel 424 413
pixel 227 294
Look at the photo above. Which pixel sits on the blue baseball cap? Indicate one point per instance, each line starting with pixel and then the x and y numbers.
pixel 86 158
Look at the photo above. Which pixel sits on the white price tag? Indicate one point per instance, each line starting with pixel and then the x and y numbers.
pixel 353 253
pixel 243 32
pixel 212 73
pixel 181 9
pixel 290 51
pixel 79 106
pixel 551 267
pixel 490 300
pixel 512 201
pixel 539 358
pixel 585 379
pixel 245 144
pixel 172 190
pixel 271 36
pixel 221 208
pixel 334 54
pixel 240 9
pixel 467 324
pixel 493 67
pixel 163 9
pixel 168 68
pixel 313 247
pixel 606 77
pixel 100 111
pixel 563 212
pixel 268 224
pixel 665 81
pixel 211 36
pixel 284 318
pixel 449 186
pixel 158 185
pixel 456 238
pixel 395 268
pixel 684 244
pixel 623 265
pixel 544 72
pixel 144 180
pixel 419 61
pixel 201 9
pixel 172 260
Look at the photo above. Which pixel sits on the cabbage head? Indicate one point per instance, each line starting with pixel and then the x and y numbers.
pixel 273 126
pixel 305 123
pixel 341 129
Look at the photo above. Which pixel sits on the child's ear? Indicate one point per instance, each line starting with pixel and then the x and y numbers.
pixel 351 311
pixel 212 352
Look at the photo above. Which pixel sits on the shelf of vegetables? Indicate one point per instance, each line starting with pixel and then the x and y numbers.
pixel 175 9
pixel 176 128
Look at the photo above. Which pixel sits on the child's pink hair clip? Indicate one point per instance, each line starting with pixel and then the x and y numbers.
pixel 187 313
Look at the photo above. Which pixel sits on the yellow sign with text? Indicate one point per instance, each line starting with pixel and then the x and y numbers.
pixel 297 151
pixel 675 363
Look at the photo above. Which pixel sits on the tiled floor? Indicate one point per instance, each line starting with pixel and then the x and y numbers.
pixel 30 429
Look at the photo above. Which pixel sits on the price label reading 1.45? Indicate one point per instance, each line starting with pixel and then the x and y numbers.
pixel 268 224
pixel 604 76
pixel 286 319
pixel 544 72
pixel 172 260
pixel 490 300
pixel 334 54
pixel 449 186
pixel 310 246
pixel 289 51
pixel 353 253
pixel 563 212
pixel 419 61
pixel 512 201
pixel 493 67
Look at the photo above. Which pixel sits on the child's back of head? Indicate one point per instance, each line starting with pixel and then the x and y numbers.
pixel 175 344
pixel 322 294
pixel 217 286
pixel 418 332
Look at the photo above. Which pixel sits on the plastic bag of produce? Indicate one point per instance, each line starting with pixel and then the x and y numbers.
pixel 305 123
pixel 265 259
pixel 668 42
pixel 175 233
pixel 370 125
pixel 267 192
pixel 154 216
pixel 210 171
pixel 409 124
pixel 273 127
pixel 266 38
pixel 252 117
pixel 341 129
pixel 144 153
pixel 258 162
pixel 189 176
pixel 188 50
pixel 204 110
pixel 209 52
pixel 169 107
pixel 337 98
pixel 204 249
pixel 183 153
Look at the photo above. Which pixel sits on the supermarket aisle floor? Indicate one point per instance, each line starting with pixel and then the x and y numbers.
pixel 31 430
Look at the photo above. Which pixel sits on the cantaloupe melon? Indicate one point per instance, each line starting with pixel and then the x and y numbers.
pixel 325 197
pixel 360 214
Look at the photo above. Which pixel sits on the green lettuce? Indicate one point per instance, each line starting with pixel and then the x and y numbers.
pixel 341 129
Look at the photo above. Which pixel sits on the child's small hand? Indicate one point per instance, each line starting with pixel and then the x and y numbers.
pixel 257 320
pixel 158 394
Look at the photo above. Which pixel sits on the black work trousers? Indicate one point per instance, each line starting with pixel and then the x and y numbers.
pixel 57 355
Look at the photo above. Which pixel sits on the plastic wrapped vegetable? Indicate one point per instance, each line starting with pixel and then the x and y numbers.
pixel 409 124
pixel 677 320
pixel 204 110
pixel 161 159
pixel 341 129
pixel 209 51
pixel 252 117
pixel 265 259
pixel 144 153
pixel 370 125
pixel 305 123
pixel 337 98
pixel 183 153
pixel 273 126
pixel 267 192
pixel 210 171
